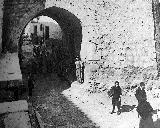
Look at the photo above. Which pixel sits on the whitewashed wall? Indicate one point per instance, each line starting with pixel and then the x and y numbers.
pixel 113 26
pixel 55 31
pixel 121 32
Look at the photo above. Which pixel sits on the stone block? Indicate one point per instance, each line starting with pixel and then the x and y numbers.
pixel 17 120
pixel 15 106
pixel 9 67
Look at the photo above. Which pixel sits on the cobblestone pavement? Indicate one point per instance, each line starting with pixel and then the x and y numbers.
pixel 55 109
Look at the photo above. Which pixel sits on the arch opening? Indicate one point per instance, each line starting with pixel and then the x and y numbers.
pixel 69 43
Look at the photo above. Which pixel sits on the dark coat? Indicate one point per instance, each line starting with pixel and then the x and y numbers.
pixel 116 92
pixel 144 109
pixel 140 94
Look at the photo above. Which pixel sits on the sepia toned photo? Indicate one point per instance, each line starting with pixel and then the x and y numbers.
pixel 79 64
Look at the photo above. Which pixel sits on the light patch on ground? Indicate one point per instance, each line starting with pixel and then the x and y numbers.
pixel 98 106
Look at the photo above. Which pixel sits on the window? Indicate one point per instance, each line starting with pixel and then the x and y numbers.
pixel 41 27
pixel 35 29
pixel 46 32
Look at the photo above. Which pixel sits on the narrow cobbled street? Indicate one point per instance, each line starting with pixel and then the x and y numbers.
pixel 55 109
pixel 61 105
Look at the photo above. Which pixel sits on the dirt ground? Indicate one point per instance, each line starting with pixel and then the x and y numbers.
pixel 97 106
pixel 69 106
pixel 55 109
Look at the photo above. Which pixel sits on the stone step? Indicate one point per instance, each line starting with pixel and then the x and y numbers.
pixel 17 120
pixel 15 106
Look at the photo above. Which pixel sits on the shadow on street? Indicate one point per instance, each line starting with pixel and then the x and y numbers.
pixel 127 108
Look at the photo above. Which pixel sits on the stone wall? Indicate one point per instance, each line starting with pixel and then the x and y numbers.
pixel 1 22
pixel 156 15
pixel 122 32
pixel 15 16
pixel 119 34
pixel 9 62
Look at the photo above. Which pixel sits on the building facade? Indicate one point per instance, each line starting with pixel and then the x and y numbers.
pixel 44 29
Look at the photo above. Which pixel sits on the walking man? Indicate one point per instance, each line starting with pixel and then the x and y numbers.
pixel 116 98
pixel 144 109
pixel 141 93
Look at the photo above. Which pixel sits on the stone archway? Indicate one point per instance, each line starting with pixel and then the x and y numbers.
pixel 97 20
pixel 72 33
pixel 70 25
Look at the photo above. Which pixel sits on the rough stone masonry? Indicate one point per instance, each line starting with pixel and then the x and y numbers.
pixel 115 33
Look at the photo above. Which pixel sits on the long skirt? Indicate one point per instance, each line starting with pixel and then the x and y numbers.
pixel 146 123
pixel 116 101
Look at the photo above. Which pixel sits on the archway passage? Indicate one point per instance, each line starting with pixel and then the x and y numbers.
pixel 71 38
pixel 70 25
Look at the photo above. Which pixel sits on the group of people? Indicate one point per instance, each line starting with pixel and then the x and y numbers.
pixel 144 109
